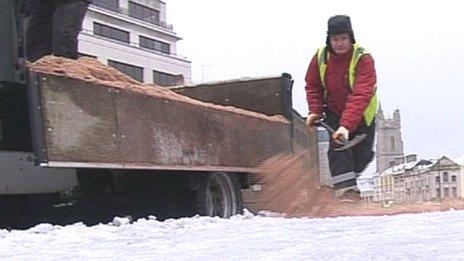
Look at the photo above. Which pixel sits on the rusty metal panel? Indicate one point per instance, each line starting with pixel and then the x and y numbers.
pixel 304 140
pixel 271 96
pixel 92 123
pixel 178 133
pixel 79 121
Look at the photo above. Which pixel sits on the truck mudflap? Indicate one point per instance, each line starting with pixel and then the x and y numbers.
pixel 79 123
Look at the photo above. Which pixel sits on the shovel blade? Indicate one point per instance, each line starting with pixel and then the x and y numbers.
pixel 352 143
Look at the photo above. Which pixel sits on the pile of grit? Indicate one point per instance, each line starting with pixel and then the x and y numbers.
pixel 91 70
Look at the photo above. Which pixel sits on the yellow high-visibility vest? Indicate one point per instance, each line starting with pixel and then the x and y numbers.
pixel 358 51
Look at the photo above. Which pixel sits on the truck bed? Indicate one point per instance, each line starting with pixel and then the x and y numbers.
pixel 82 122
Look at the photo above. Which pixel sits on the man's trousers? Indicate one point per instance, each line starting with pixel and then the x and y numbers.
pixel 345 166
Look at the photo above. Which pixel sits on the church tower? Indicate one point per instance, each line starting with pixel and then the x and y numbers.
pixel 389 146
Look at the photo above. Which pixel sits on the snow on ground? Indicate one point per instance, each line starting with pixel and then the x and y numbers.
pixel 427 236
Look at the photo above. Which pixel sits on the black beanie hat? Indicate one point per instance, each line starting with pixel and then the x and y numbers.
pixel 339 24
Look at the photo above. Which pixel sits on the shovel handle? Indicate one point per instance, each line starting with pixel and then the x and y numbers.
pixel 329 129
pixel 325 125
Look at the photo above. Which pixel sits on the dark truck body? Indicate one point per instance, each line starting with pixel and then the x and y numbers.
pixel 101 137
pixel 81 124
pixel 98 130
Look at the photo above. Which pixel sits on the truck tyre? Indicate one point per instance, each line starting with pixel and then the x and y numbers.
pixel 219 194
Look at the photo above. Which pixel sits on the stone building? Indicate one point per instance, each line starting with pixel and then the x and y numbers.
pixel 389 152
pixel 414 183
pixel 446 179
pixel 389 148
pixel 405 179
pixel 419 181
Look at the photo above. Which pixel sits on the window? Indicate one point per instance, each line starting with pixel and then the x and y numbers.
pixel 110 32
pixel 164 79
pixel 392 143
pixel 453 178
pixel 446 192
pixel 131 70
pixel 112 5
pixel 437 179
pixel 455 192
pixel 152 44
pixel 438 193
pixel 144 13
pixel 445 177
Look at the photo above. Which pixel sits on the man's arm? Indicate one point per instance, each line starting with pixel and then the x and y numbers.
pixel 314 88
pixel 362 93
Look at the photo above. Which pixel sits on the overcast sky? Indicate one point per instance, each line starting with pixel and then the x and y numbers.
pixel 418 47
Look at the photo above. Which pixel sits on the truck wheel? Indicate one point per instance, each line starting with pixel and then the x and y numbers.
pixel 219 195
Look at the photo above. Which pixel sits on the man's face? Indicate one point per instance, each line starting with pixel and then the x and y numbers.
pixel 341 43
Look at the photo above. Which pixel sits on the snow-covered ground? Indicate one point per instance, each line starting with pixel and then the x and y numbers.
pixel 427 236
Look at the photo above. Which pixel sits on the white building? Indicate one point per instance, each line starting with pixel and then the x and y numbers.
pixel 446 179
pixel 419 181
pixel 133 37
pixel 366 185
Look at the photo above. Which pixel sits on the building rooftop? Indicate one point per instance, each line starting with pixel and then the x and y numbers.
pixel 421 164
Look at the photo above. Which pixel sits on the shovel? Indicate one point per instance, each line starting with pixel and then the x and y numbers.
pixel 346 144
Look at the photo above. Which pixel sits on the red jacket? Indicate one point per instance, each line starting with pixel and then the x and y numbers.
pixel 348 104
